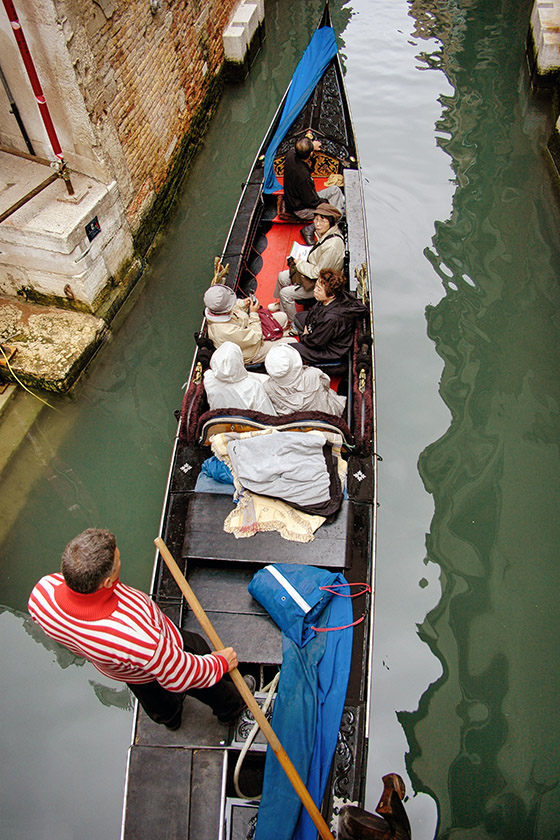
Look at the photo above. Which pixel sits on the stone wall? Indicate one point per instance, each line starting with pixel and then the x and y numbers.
pixel 130 85
pixel 543 56
pixel 143 68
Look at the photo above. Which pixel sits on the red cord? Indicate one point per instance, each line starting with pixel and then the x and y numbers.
pixel 330 588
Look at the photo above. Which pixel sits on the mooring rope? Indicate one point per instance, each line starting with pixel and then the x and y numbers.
pixel 18 380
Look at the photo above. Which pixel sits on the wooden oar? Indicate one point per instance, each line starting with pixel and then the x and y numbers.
pixel 245 692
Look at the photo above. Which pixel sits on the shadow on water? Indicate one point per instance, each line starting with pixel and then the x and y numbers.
pixel 484 741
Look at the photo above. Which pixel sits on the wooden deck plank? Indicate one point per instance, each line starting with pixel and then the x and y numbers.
pixel 160 793
pixel 205 538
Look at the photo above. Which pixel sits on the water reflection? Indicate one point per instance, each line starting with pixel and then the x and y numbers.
pixel 58 741
pixel 484 740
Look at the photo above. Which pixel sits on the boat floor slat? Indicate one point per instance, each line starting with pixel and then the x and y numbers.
pixel 199 728
pixel 224 590
pixel 162 780
pixel 205 538
pixel 255 639
pixel 173 793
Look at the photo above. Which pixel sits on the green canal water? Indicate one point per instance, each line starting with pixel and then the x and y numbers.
pixel 464 240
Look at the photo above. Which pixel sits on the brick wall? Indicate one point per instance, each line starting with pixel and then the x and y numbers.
pixel 143 68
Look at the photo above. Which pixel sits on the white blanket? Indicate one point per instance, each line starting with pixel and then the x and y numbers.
pixel 289 466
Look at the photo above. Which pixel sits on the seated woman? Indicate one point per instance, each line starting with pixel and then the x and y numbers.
pixel 293 387
pixel 327 252
pixel 327 329
pixel 229 385
pixel 229 320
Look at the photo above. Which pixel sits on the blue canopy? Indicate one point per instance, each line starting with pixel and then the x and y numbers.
pixel 320 51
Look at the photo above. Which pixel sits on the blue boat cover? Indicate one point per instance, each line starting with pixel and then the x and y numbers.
pixel 311 691
pixel 216 469
pixel 320 51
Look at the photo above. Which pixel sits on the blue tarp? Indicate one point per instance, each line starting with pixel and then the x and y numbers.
pixel 311 691
pixel 320 51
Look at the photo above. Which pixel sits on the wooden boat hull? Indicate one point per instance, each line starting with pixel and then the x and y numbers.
pixel 185 778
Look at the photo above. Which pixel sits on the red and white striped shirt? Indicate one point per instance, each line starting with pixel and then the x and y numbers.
pixel 123 633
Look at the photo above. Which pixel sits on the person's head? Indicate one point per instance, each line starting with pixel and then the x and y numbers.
pixel 328 285
pixel 304 147
pixel 219 301
pixel 283 364
pixel 325 216
pixel 227 363
pixel 91 561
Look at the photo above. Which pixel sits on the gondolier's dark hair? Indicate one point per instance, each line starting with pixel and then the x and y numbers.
pixel 304 147
pixel 88 559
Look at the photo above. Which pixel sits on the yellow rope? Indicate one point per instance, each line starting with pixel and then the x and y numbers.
pixel 18 380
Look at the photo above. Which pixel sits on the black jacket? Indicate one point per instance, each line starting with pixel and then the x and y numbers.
pixel 330 329
pixel 299 189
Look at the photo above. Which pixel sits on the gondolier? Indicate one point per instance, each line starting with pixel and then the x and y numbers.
pixel 124 634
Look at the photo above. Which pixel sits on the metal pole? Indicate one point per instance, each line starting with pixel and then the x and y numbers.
pixel 15 111
pixel 35 191
pixel 37 91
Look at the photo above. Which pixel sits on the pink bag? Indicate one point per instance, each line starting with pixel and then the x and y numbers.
pixel 271 329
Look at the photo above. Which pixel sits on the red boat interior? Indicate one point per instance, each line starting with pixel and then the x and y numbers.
pixel 279 242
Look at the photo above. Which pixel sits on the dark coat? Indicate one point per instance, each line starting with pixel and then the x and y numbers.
pixel 330 329
pixel 299 189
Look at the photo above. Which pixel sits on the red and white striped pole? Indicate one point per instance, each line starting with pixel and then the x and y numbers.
pixel 36 87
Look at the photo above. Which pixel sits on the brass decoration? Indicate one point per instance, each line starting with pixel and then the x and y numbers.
pixel 197 378
pixel 361 275
pixel 220 272
pixel 279 166
pixel 362 381
pixel 324 166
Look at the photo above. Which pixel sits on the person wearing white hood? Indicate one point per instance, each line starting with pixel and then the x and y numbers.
pixel 229 385
pixel 293 387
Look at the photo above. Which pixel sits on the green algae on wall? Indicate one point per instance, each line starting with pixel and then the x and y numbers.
pixel 146 237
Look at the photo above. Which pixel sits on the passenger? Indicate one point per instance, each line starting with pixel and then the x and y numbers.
pixel 229 320
pixel 229 385
pixel 300 196
pixel 327 252
pixel 293 387
pixel 124 634
pixel 327 329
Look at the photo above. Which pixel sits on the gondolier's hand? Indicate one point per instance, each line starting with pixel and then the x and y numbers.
pixel 231 656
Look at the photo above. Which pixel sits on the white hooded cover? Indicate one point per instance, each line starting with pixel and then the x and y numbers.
pixel 293 387
pixel 229 385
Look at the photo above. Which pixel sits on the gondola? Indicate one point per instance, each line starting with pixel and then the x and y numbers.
pixel 181 784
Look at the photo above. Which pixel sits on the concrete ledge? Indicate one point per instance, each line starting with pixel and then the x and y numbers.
pixel 44 246
pixel 53 346
pixel 545 32
pixel 243 37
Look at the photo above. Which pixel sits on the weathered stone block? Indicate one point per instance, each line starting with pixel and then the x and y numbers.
pixel 545 26
pixel 52 345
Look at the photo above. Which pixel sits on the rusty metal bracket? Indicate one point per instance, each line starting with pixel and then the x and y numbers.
pixel 60 171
